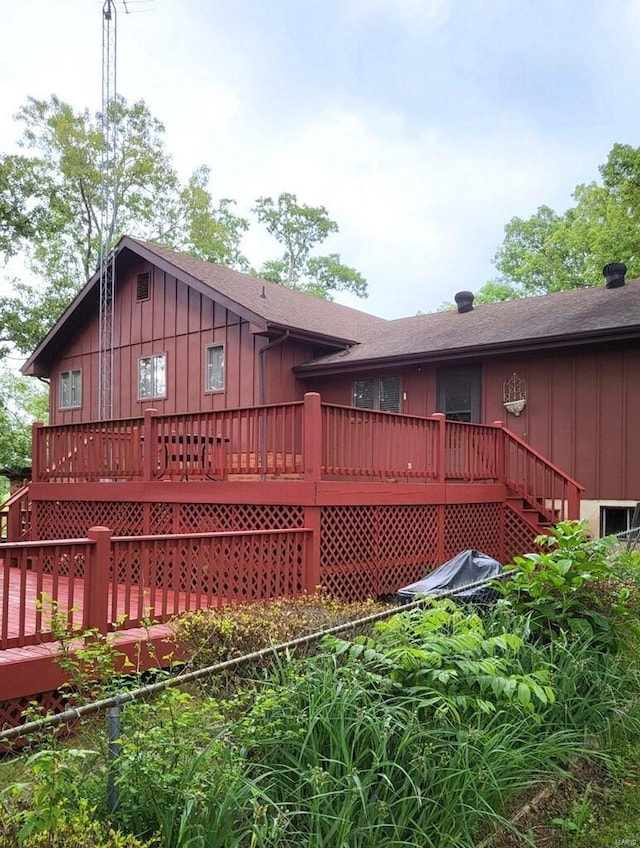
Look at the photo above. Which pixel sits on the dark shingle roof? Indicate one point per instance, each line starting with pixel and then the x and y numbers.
pixel 270 306
pixel 548 320
pixel 278 305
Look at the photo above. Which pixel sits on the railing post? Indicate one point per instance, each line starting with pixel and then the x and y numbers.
pixel 136 460
pixel 312 428
pixel 441 459
pixel 573 503
pixel 150 435
pixel 501 447
pixel 14 522
pixel 96 581
pixel 37 448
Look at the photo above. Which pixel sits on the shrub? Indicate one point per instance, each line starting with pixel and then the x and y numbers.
pixel 211 636
pixel 570 586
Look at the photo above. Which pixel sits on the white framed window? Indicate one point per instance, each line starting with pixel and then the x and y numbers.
pixel 71 389
pixel 214 368
pixel 152 376
pixel 377 393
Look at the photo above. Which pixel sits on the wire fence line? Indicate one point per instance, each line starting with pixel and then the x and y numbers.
pixel 181 679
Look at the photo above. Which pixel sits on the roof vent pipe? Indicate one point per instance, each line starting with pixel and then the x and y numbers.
pixel 613 274
pixel 464 301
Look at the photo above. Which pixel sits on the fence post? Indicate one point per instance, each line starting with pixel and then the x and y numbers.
pixel 312 428
pixel 441 459
pixel 150 435
pixel 37 463
pixel 96 580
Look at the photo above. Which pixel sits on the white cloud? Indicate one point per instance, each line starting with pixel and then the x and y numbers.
pixel 421 13
pixel 421 214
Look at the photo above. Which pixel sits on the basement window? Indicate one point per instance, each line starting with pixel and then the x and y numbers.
pixel 71 389
pixel 142 287
pixel 377 393
pixel 214 368
pixel 618 519
pixel 152 377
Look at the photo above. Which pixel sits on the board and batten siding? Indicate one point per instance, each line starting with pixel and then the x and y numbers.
pixel 582 411
pixel 180 322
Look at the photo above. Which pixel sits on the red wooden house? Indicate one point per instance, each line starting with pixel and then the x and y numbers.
pixel 263 441
pixel 191 337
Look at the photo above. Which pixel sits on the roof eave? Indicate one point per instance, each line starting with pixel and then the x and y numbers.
pixel 471 352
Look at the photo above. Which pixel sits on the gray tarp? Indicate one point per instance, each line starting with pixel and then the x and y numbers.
pixel 465 567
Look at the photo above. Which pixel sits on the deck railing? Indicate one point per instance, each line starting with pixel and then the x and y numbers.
pixel 102 450
pixel 307 439
pixel 15 516
pixel 544 486
pixel 88 584
pixel 378 445
pixel 471 452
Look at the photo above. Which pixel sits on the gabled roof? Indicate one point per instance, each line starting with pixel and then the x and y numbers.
pixel 269 306
pixel 579 316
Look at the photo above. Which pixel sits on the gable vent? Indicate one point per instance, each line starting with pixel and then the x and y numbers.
pixel 142 286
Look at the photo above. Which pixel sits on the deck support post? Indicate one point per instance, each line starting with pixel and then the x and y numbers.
pixel 312 429
pixel 312 578
pixel 441 459
pixel 96 581
pixel 442 529
pixel 150 434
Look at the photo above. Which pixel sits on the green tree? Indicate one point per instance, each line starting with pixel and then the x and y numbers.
pixel 60 182
pixel 299 229
pixel 22 401
pixel 551 252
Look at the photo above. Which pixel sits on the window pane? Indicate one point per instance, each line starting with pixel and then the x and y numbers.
pixel 144 377
pixel 459 393
pixel 64 389
pixel 152 376
pixel 364 393
pixel 215 368
pixel 70 389
pixel 159 376
pixel 390 394
pixel 76 388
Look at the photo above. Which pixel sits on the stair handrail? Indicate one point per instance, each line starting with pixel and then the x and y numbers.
pixel 12 527
pixel 554 505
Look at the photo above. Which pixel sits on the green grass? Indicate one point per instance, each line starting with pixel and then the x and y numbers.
pixel 615 815
pixel 421 733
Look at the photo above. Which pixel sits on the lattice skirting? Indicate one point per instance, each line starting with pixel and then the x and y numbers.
pixel 366 551
pixel 372 551
pixel 18 710
pixel 72 519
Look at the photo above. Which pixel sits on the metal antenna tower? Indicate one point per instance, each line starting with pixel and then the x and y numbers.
pixel 107 210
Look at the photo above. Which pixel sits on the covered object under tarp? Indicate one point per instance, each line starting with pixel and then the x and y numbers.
pixel 465 567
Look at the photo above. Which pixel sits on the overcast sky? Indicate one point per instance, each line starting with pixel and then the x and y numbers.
pixel 422 125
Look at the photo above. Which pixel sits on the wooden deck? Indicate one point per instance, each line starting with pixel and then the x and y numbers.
pixel 193 511
pixel 30 668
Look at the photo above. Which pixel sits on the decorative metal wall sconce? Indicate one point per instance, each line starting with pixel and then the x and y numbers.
pixel 514 394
